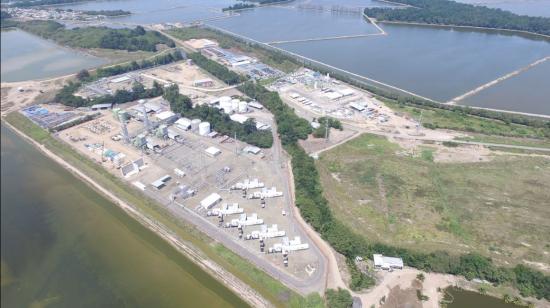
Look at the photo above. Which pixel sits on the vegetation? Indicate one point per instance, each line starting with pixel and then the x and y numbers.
pixel 219 71
pixel 97 37
pixel 264 2
pixel 269 57
pixel 219 121
pixel 66 95
pixel 29 3
pixel 446 12
pixel 134 65
pixel 359 280
pixel 238 6
pixel 4 15
pixel 269 287
pixel 338 298
pixel 110 13
pixel 289 126
pixel 421 296
pixel 322 130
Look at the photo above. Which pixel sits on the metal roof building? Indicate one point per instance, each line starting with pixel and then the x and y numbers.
pixel 386 263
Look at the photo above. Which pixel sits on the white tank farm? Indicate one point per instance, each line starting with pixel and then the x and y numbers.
pixel 226 105
pixel 204 128
pixel 243 107
pixel 195 124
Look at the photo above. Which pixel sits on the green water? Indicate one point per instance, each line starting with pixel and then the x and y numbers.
pixel 64 245
pixel 468 299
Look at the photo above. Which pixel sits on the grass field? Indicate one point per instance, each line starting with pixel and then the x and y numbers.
pixel 269 287
pixel 499 208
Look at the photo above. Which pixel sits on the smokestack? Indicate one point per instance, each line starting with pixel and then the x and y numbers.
pixel 146 123
pixel 124 128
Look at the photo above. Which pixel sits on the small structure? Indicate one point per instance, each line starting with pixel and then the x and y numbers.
pixel 213 151
pixel 387 263
pixel 255 105
pixel 167 117
pixel 238 118
pixel 357 106
pixel 183 124
pixel 346 92
pixel 206 83
pixel 200 43
pixel 101 106
pixel 160 183
pixel 251 149
pixel 210 201
pixel 120 79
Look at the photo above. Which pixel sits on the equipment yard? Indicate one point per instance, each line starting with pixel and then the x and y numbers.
pixel 183 164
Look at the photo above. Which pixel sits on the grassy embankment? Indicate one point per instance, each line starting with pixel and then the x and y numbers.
pixel 484 207
pixel 278 61
pixel 267 286
pixel 456 120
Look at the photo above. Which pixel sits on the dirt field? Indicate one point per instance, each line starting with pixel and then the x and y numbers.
pixel 417 201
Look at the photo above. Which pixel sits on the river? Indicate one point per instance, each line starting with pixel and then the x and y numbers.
pixel 26 56
pixel 64 245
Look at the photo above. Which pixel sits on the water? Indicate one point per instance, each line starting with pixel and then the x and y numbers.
pixel 433 62
pixel 25 56
pixel 63 245
pixel 463 298
pixel 526 92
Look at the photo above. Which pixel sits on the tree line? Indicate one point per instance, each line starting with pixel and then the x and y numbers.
pixel 238 6
pixel 219 71
pixel 110 13
pixel 29 3
pixel 66 95
pixel 445 12
pixel 316 211
pixel 97 37
pixel 219 121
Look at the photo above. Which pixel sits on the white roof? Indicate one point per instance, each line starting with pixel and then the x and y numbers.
pixel 203 80
pixel 213 151
pixel 238 118
pixel 383 261
pixel 333 95
pixel 185 122
pixel 357 106
pixel 211 200
pixel 294 95
pixel 165 115
pixel 346 91
pixel 256 105
pixel 120 79
pixel 252 149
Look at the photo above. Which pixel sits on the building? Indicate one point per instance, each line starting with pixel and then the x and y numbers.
pixel 210 201
pixel 213 151
pixel 167 117
pixel 160 183
pixel 238 118
pixel 183 124
pixel 101 106
pixel 386 263
pixel 251 149
pixel 205 83
pixel 357 106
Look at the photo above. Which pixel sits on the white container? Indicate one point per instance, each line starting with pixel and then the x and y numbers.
pixel 243 107
pixel 204 128
pixel 195 124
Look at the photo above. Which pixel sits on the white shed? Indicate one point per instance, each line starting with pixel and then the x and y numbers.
pixel 211 200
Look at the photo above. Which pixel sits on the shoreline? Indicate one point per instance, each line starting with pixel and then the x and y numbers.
pixel 209 266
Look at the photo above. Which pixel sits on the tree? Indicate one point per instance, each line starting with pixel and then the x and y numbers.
pixel 83 75
pixel 420 277
pixel 338 298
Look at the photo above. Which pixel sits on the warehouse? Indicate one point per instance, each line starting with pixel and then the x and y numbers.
pixel 386 263
pixel 213 151
pixel 210 201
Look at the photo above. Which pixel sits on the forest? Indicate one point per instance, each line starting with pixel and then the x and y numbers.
pixel 219 71
pixel 97 37
pixel 238 6
pixel 445 12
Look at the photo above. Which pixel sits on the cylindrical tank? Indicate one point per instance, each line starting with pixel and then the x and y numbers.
pixel 195 124
pixel 235 104
pixel 204 128
pixel 225 99
pixel 243 107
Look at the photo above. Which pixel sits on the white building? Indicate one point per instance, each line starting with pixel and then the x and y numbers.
pixel 213 151
pixel 387 263
pixel 211 200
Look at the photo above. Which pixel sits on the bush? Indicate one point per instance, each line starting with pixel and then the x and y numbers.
pixel 338 298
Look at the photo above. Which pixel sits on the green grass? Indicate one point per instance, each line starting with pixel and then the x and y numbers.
pixel 413 202
pixel 280 62
pixel 267 286
pixel 440 118
pixel 529 142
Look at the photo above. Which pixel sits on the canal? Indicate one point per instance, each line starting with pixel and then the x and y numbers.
pixel 64 245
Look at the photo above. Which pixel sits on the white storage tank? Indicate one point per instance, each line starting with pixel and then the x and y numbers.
pixel 204 128
pixel 243 107
pixel 195 124
pixel 235 104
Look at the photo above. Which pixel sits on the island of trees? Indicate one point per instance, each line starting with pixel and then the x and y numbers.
pixel 445 12
pixel 238 6
pixel 109 13
pixel 97 37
